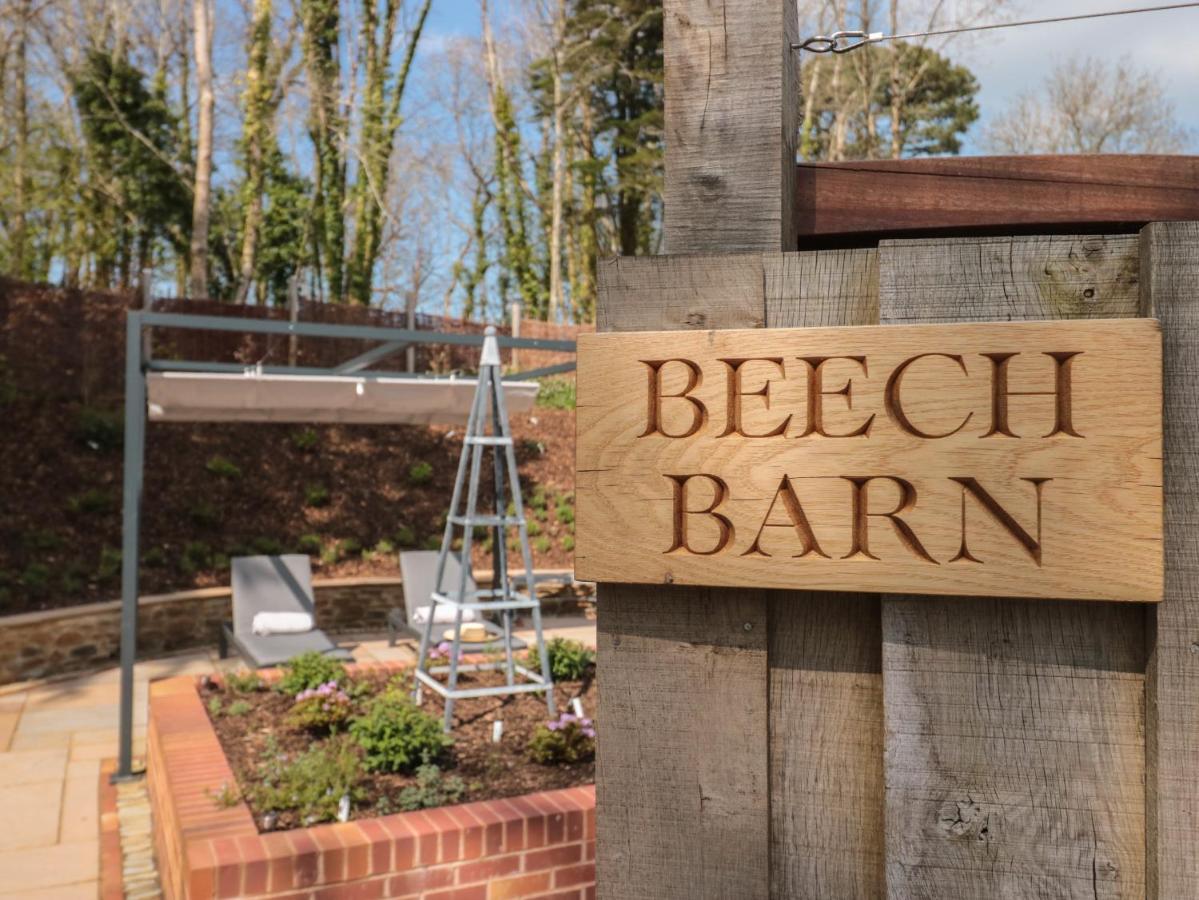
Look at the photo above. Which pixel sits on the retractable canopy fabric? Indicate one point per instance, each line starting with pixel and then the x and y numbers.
pixel 264 397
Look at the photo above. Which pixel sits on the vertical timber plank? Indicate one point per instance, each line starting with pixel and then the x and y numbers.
pixel 681 782
pixel 1170 276
pixel 1015 730
pixel 826 691
pixel 684 703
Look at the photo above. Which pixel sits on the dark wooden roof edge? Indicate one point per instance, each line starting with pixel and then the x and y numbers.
pixel 859 202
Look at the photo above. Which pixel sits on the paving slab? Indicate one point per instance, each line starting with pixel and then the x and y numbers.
pixel 27 766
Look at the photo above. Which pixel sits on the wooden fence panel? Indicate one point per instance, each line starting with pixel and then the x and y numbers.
pixel 826 691
pixel 1014 729
pixel 1170 290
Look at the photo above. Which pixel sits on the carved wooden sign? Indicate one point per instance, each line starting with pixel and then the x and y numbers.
pixel 1007 459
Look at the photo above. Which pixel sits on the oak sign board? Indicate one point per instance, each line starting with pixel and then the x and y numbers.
pixel 1001 459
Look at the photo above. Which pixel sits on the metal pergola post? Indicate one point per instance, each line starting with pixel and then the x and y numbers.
pixel 138 362
pixel 134 464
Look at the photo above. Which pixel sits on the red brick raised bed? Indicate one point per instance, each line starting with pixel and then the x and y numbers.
pixel 539 845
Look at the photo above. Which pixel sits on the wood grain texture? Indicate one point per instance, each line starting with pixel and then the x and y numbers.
pixel 826 687
pixel 960 194
pixel 684 669
pixel 666 655
pixel 1170 291
pixel 1014 729
pixel 785 474
pixel 732 108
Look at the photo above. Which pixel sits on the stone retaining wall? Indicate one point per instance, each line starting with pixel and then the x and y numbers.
pixel 75 639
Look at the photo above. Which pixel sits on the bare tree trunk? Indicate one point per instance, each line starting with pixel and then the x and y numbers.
pixel 555 300
pixel 21 174
pixel 259 105
pixel 896 87
pixel 202 34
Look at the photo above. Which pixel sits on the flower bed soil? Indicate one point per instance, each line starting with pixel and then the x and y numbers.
pixel 490 771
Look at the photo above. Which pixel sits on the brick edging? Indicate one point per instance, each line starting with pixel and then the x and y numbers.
pixel 112 884
pixel 517 847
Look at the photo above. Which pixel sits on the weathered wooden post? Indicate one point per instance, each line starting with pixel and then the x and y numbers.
pixel 683 784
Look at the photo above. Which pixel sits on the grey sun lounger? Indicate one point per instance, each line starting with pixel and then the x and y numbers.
pixel 273 584
pixel 418 571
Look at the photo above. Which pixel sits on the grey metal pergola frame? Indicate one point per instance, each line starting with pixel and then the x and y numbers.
pixel 139 361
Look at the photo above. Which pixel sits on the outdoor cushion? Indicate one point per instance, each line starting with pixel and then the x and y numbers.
pixel 443 615
pixel 266 623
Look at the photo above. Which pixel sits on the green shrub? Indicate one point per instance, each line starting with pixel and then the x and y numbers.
pixel 567 542
pixel 420 473
pixel 316 496
pixel 215 707
pixel 154 558
pixel 543 544
pixel 314 783
pixel 35 579
pixel 238 708
pixel 569 660
pixel 305 439
pixel 93 501
pixel 432 789
pixel 222 468
pixel 396 736
pixel 204 514
pixel 310 670
pixel 40 540
pixel 196 555
pixel 537 500
pixel 533 528
pixel 244 681
pixel 433 542
pixel 323 708
pixel 71 579
pixel 567 739
pixel 100 429
pixel 556 393
pixel 382 549
pixel 565 513
pixel 405 536
pixel 309 543
pixel 267 546
pixel 110 563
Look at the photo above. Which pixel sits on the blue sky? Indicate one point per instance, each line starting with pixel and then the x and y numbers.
pixel 1011 61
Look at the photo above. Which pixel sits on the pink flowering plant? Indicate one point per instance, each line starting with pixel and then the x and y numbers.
pixel 562 741
pixel 325 707
pixel 444 650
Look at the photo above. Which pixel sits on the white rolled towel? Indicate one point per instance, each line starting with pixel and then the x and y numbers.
pixel 443 615
pixel 266 623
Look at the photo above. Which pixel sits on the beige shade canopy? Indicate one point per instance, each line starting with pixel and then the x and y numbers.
pixel 260 397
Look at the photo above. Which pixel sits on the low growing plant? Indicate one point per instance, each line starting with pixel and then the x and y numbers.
pixel 569 660
pixel 405 536
pixel 35 578
pixel 244 681
pixel 110 563
pixel 397 736
pixel 304 439
pixel 93 501
pixel 310 670
pixel 567 542
pixel 314 783
pixel 316 496
pixel 222 467
pixel 323 708
pixel 196 555
pixel 309 543
pixel 567 739
pixel 102 430
pixel 542 544
pixel 238 708
pixel 433 788
pixel 420 472
pixel 556 393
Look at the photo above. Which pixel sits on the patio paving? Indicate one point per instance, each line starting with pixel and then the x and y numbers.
pixel 53 736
